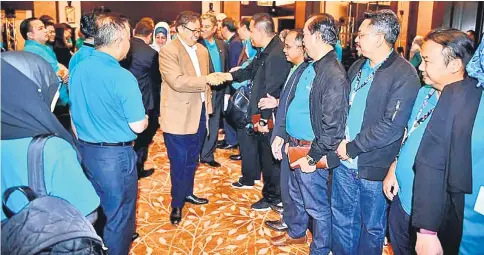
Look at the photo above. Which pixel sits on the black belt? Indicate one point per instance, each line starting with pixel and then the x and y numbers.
pixel 110 144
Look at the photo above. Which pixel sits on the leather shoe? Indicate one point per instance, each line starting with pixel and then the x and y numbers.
pixel 212 163
pixel 285 239
pixel 145 173
pixel 228 147
pixel 276 225
pixel 135 236
pixel 192 199
pixel 235 157
pixel 175 216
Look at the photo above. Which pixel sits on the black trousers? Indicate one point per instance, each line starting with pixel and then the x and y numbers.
pixel 210 141
pixel 144 140
pixel 256 153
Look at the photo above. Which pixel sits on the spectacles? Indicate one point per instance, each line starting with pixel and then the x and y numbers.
pixel 361 35
pixel 195 31
pixel 286 46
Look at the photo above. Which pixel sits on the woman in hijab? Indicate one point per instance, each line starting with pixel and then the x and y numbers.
pixel 27 77
pixel 161 36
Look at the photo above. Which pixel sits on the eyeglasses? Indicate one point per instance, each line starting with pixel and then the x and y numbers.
pixel 195 31
pixel 361 35
pixel 286 46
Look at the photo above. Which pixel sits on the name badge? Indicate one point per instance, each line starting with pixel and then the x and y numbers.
pixel 479 206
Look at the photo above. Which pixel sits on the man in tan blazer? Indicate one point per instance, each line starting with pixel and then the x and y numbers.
pixel 186 101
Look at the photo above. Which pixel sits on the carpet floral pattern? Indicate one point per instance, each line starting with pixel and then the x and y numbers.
pixel 226 225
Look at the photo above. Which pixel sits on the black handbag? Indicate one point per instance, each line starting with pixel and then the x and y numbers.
pixel 237 112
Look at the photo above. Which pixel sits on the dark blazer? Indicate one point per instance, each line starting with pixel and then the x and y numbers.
pixel 443 165
pixel 268 72
pixel 235 49
pixel 223 51
pixel 142 62
pixel 388 108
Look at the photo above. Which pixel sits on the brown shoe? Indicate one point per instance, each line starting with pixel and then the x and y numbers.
pixel 285 239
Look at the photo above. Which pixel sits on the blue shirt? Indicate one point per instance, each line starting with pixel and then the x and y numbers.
pixel 44 51
pixel 250 50
pixel 357 108
pixel 473 235
pixel 298 120
pixel 63 174
pixel 105 97
pixel 81 54
pixel 339 50
pixel 214 55
pixel 404 169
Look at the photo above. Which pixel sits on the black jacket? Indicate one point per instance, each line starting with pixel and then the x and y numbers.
pixel 388 108
pixel 223 51
pixel 328 104
pixel 268 72
pixel 142 62
pixel 443 165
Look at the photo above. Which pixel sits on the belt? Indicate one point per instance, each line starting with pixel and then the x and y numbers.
pixel 298 142
pixel 110 144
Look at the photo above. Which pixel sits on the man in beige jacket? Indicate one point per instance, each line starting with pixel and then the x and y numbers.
pixel 185 104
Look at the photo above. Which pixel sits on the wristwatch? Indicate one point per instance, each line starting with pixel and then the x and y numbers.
pixel 311 161
pixel 262 123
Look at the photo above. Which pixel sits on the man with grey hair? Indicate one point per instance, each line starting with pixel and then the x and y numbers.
pixel 107 112
pixel 383 90
pixel 315 118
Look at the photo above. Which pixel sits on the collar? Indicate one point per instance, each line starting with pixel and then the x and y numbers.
pixel 274 41
pixel 88 44
pixel 188 48
pixel 105 57
pixel 207 42
pixel 35 43
pixel 232 37
pixel 328 57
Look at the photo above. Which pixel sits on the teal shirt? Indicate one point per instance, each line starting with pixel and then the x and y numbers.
pixel 81 54
pixel 63 174
pixel 44 51
pixel 357 109
pixel 339 50
pixel 298 120
pixel 404 169
pixel 104 98
pixel 214 52
pixel 473 228
pixel 250 50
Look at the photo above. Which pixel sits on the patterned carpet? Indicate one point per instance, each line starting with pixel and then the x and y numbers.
pixel 226 225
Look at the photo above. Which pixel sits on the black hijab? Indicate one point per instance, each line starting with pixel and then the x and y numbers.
pixel 28 88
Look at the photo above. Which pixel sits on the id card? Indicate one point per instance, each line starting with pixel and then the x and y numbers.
pixel 479 206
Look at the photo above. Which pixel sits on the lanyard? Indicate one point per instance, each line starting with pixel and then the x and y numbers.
pixel 367 81
pixel 419 120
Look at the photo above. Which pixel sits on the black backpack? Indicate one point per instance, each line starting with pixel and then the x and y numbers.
pixel 48 224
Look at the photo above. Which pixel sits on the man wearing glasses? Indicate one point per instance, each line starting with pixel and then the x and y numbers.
pixel 383 90
pixel 186 101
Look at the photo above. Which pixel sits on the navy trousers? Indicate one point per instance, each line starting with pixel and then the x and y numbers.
pixel 183 153
pixel 294 214
pixel 402 235
pixel 112 172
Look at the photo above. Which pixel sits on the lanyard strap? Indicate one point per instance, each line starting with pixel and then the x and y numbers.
pixel 367 81
pixel 419 120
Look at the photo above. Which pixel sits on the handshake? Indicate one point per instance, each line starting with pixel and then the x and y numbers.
pixel 215 79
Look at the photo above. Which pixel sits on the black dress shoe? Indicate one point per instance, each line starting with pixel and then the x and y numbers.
pixel 145 173
pixel 276 225
pixel 175 216
pixel 221 144
pixel 211 163
pixel 277 208
pixel 192 199
pixel 228 147
pixel 235 157
pixel 135 236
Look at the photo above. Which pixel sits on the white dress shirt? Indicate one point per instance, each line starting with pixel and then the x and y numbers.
pixel 192 52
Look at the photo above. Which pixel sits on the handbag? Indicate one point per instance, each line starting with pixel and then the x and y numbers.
pixel 238 107
pixel 300 150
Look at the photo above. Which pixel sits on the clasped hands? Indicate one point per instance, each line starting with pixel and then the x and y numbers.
pixel 216 79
